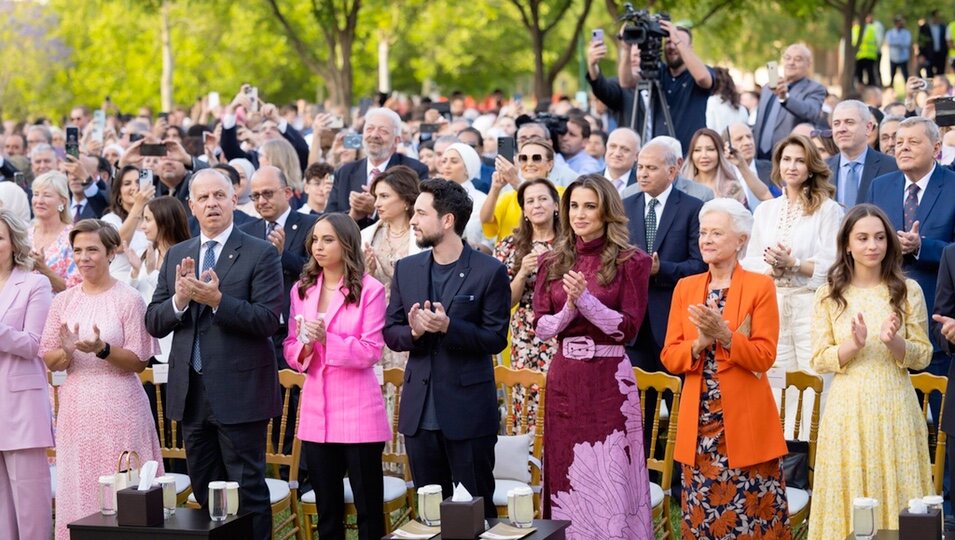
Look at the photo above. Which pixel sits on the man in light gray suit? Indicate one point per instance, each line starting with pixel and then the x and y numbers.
pixel 795 99
pixel 681 183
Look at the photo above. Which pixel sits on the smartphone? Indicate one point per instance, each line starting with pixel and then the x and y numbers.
pixel 597 35
pixel 252 92
pixel 772 69
pixel 925 84
pixel 153 150
pixel 73 141
pixel 429 128
pixel 135 137
pixel 164 116
pixel 20 179
pixel 145 178
pixel 352 142
pixel 444 108
pixel 337 123
pixel 945 111
pixel 213 100
pixel 506 148
pixel 99 124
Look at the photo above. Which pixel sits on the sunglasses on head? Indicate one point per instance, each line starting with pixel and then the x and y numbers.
pixel 824 133
pixel 536 158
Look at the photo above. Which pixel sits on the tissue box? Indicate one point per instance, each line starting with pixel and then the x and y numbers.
pixel 920 526
pixel 462 520
pixel 139 508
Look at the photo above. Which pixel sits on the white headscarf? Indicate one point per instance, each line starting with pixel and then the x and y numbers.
pixel 472 161
pixel 249 170
pixel 14 199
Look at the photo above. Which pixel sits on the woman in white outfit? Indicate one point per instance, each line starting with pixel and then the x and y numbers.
pixel 794 240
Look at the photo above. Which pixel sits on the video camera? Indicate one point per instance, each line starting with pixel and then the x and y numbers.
pixel 555 124
pixel 643 30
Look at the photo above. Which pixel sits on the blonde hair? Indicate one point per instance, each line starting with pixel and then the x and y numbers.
pixel 56 181
pixel 281 154
pixel 19 239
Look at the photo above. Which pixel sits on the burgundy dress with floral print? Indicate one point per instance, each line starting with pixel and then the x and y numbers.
pixel 595 471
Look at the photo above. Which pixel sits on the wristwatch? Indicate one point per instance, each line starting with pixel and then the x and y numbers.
pixel 104 353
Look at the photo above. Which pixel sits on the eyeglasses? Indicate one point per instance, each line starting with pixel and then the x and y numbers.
pixel 536 158
pixel 824 133
pixel 76 118
pixel 267 194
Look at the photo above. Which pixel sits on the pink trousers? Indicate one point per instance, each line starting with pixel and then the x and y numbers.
pixel 25 493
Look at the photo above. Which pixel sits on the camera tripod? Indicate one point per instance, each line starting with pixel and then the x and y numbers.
pixel 655 95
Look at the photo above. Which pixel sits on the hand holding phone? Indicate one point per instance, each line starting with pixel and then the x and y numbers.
pixel 597 35
pixel 73 141
pixel 772 70
pixel 145 178
pixel 506 148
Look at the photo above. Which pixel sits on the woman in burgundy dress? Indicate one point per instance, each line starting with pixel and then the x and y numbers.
pixel 592 293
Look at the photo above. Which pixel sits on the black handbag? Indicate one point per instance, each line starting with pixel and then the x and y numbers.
pixel 796 465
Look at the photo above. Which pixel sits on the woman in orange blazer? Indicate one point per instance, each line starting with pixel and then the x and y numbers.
pixel 721 336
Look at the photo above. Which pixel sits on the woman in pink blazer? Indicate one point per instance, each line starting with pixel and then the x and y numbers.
pixel 335 335
pixel 25 420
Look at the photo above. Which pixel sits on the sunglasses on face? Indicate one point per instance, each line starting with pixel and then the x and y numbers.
pixel 824 133
pixel 536 158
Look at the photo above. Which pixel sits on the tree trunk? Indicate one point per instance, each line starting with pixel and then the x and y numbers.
pixel 168 63
pixel 542 90
pixel 849 49
pixel 384 76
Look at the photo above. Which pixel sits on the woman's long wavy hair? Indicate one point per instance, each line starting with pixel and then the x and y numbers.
pixel 524 233
pixel 617 248
pixel 841 272
pixel 353 261
pixel 817 188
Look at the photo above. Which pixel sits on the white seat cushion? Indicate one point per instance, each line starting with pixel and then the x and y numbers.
pixel 502 486
pixel 278 490
pixel 656 495
pixel 53 481
pixel 395 488
pixel 511 455
pixel 182 481
pixel 798 499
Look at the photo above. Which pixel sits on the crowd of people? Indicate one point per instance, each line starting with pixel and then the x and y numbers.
pixel 232 242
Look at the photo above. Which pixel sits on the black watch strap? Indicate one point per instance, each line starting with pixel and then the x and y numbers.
pixel 104 353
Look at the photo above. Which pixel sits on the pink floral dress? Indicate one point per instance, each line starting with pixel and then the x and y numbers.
pixel 103 409
pixel 59 257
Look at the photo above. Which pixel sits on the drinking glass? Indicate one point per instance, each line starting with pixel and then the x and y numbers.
pixel 168 485
pixel 107 495
pixel 232 498
pixel 218 504
pixel 523 516
pixel 429 504
pixel 863 517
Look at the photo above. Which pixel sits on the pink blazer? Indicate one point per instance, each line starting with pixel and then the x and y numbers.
pixel 25 416
pixel 341 401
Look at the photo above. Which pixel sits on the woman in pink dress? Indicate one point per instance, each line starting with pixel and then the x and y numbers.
pixel 49 235
pixel 96 332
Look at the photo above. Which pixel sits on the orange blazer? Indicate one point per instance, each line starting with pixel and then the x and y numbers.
pixel 750 415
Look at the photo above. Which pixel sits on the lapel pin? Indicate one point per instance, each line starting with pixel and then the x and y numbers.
pixel 230 255
pixel 295 227
pixel 461 274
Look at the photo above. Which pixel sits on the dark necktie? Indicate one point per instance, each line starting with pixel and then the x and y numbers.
pixel 208 262
pixel 269 227
pixel 77 210
pixel 851 195
pixel 651 223
pixel 911 206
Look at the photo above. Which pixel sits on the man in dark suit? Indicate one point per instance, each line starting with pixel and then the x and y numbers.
pixel 283 228
pixel 87 199
pixel 919 202
pixel 450 308
pixel 623 145
pixel 380 138
pixel 665 223
pixel 944 336
pixel 933 49
pixel 856 164
pixel 795 99
pixel 274 127
pixel 222 311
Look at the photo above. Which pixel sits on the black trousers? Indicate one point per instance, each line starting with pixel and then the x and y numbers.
pixel 232 452
pixel 898 66
pixel 436 459
pixel 328 463
pixel 865 69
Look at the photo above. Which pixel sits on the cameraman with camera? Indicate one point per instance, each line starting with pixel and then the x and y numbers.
pixel 684 79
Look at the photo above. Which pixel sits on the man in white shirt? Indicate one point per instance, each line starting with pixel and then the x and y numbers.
pixel 623 146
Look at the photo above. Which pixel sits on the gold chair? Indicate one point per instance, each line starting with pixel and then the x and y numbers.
pixel 51 452
pixel 399 491
pixel 171 444
pixel 799 499
pixel 282 495
pixel 660 493
pixel 522 442
pixel 925 384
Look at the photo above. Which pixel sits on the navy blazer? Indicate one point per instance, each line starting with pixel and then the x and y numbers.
pixel 458 364
pixel 936 217
pixel 238 358
pixel 293 255
pixel 676 243
pixel 945 305
pixel 876 164
pixel 352 176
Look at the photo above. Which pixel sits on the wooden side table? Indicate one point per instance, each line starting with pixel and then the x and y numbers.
pixel 185 524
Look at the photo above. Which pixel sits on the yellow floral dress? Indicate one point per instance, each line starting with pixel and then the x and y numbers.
pixel 872 438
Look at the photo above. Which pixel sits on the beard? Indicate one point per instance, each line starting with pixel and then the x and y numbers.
pixel 429 241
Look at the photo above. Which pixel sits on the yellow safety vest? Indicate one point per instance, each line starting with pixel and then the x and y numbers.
pixel 868 48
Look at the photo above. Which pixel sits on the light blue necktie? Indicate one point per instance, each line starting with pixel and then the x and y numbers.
pixel 851 195
pixel 208 263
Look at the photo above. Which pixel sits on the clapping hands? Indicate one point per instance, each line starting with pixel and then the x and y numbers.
pixel 428 318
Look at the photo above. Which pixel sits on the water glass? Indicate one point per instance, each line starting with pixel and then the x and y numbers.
pixel 218 505
pixel 429 504
pixel 863 517
pixel 232 498
pixel 168 485
pixel 107 495
pixel 933 503
pixel 523 515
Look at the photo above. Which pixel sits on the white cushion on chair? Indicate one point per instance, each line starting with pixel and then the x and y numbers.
pixel 395 488
pixel 53 481
pixel 511 457
pixel 278 490
pixel 656 495
pixel 798 499
pixel 502 486
pixel 182 481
